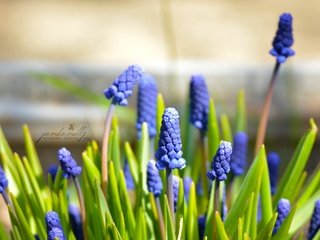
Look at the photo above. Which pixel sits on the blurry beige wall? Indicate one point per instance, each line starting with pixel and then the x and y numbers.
pixel 122 32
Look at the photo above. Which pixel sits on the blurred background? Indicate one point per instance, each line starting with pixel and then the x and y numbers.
pixel 57 57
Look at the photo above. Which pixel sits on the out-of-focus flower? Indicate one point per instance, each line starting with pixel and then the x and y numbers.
pixel 153 179
pixel 239 153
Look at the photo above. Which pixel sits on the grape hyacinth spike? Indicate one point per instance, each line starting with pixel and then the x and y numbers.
pixel 283 209
pixel 220 166
pixel 68 164
pixel 315 221
pixel 3 181
pixel 283 40
pixel 128 176
pixel 239 153
pixel 147 105
pixel 199 102
pixel 54 228
pixel 122 87
pixel 273 166
pixel 153 179
pixel 169 153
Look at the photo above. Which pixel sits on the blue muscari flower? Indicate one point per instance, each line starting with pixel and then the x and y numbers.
pixel 56 233
pixel 75 221
pixel 54 228
pixel 273 166
pixel 3 181
pixel 68 164
pixel 169 154
pixel 199 102
pixel 283 39
pixel 52 170
pixel 315 221
pixel 175 188
pixel 52 220
pixel 201 225
pixel 187 184
pixel 220 164
pixel 199 187
pixel 153 179
pixel 239 153
pixel 283 210
pixel 128 176
pixel 147 105
pixel 123 85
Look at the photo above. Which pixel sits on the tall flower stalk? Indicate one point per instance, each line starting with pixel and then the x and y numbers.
pixel 72 170
pixel 120 90
pixel 169 154
pixel 281 50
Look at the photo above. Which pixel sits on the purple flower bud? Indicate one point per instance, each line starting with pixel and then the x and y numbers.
pixel 68 164
pixel 147 105
pixel 54 228
pixel 220 166
pixel 75 221
pixel 153 179
pixel 202 225
pixel 3 181
pixel 169 153
pixel 284 209
pixel 52 220
pixel 199 102
pixel 239 153
pixel 283 40
pixel 128 176
pixel 56 233
pixel 273 166
pixel 315 221
pixel 123 85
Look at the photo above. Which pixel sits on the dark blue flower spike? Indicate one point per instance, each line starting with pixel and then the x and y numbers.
pixel 175 191
pixel 220 166
pixel 75 221
pixel 283 209
pixel 315 221
pixel 153 179
pixel 273 166
pixel 199 102
pixel 147 105
pixel 201 225
pixel 54 228
pixel 3 181
pixel 239 153
pixel 283 40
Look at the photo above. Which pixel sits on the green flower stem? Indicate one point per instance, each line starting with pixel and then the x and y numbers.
pixel 204 179
pixel 105 140
pixel 82 208
pixel 217 196
pixel 6 198
pixel 170 191
pixel 266 109
pixel 161 223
